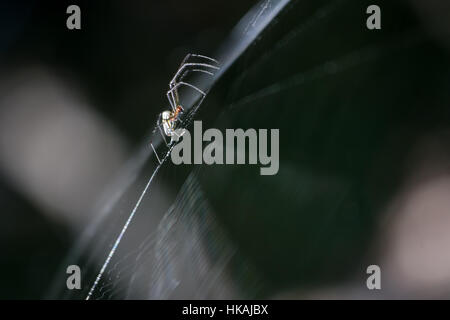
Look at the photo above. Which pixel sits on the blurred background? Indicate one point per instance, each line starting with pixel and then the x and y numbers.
pixel 364 133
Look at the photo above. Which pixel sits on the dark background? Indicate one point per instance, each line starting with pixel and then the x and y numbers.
pixel 348 136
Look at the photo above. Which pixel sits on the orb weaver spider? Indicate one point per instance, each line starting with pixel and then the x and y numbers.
pixel 167 120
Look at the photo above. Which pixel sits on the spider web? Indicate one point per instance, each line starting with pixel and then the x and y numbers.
pixel 181 249
pixel 260 16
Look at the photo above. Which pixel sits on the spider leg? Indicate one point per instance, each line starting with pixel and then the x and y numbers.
pixel 183 70
pixel 173 96
pixel 156 154
pixel 172 100
pixel 186 58
pixel 190 64
pixel 158 125
pixel 203 57
pixel 185 73
pixel 192 112
pixel 181 83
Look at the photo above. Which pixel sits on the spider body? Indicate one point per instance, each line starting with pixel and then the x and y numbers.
pixel 167 120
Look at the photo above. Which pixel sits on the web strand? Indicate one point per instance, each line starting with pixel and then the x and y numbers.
pixel 125 227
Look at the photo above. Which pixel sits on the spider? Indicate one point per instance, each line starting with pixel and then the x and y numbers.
pixel 168 119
